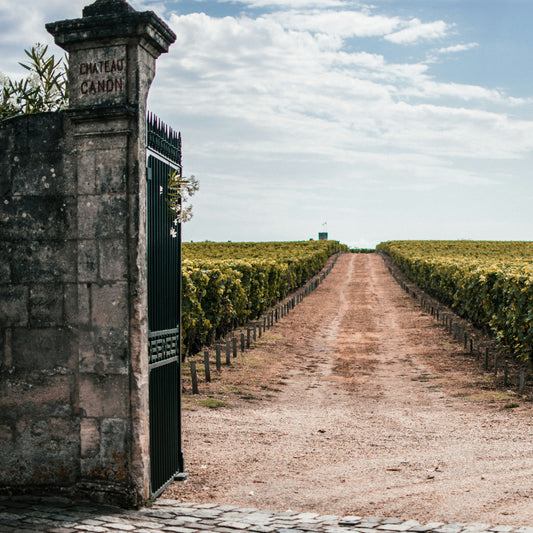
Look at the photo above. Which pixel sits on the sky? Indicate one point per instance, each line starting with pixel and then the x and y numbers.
pixel 373 121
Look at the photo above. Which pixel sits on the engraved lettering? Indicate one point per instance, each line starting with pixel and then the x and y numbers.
pixel 99 77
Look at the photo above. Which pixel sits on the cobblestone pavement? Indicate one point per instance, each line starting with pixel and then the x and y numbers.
pixel 60 516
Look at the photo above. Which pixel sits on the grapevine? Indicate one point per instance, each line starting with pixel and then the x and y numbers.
pixel 226 284
pixel 489 283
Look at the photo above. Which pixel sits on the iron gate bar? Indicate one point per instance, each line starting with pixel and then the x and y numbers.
pixel 163 362
pixel 160 158
pixel 163 140
pixel 163 253
pixel 164 307
pixel 164 435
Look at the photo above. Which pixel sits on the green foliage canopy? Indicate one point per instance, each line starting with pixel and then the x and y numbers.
pixel 226 284
pixel 487 282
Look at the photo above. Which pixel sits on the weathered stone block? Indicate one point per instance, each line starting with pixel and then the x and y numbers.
pixel 46 305
pixel 70 304
pixel 45 131
pixel 39 395
pixel 110 305
pixel 6 138
pixel 37 469
pixel 99 76
pixel 18 131
pixel 137 214
pixel 3 349
pixel 110 175
pixel 104 396
pixel 109 139
pixel 86 172
pixel 102 216
pixel 49 261
pixel 43 349
pixel 39 174
pixel 5 175
pixel 87 354
pixel 114 432
pixel 107 130
pixel 14 302
pixel 104 351
pixel 35 217
pixel 42 452
pixel 89 437
pixel 84 305
pixel 111 345
pixel 113 259
pixel 6 433
pixel 5 263
pixel 87 261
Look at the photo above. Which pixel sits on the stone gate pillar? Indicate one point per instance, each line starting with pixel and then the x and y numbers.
pixel 112 53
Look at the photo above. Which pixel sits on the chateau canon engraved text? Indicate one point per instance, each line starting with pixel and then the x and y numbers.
pixel 105 76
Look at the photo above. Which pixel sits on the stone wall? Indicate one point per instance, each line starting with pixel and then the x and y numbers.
pixel 38 340
pixel 73 296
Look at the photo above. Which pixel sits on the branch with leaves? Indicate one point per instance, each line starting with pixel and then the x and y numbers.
pixel 180 189
pixel 44 89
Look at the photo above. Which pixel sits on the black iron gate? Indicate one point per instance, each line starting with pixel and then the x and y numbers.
pixel 164 307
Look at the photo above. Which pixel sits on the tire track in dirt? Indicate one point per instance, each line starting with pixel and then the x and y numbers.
pixel 366 420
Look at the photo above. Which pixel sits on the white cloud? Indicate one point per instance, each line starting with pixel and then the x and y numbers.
pixel 293 4
pixel 25 21
pixel 273 89
pixel 457 48
pixel 339 23
pixel 158 6
pixel 417 31
pixel 23 25
pixel 431 89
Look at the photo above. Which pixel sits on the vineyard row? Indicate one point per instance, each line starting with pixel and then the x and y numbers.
pixel 250 333
pixel 487 283
pixel 227 284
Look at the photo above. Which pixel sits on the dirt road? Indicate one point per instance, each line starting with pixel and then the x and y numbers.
pixel 357 403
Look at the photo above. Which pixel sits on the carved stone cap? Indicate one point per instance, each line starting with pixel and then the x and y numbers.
pixel 107 7
pixel 107 19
